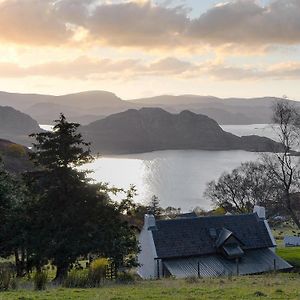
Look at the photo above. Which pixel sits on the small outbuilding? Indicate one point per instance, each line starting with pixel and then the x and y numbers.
pixel 208 246
pixel 291 241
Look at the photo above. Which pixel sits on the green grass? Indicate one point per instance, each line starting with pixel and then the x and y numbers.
pixel 268 286
pixel 290 254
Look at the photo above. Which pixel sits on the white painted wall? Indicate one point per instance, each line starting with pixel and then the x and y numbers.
pixel 261 212
pixel 147 255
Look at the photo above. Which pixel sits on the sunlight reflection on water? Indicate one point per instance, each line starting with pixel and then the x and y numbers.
pixel 178 178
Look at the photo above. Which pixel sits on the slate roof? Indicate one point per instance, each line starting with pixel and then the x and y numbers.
pixel 187 215
pixel 191 236
pixel 253 262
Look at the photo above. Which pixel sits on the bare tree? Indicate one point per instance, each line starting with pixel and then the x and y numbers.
pixel 283 167
pixel 244 187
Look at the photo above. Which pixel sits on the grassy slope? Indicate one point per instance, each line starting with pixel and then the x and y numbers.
pixel 272 286
pixel 290 254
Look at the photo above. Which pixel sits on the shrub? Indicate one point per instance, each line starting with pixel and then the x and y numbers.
pixel 6 278
pixel 97 271
pixel 125 278
pixel 40 280
pixel 14 283
pixel 77 279
pixel 192 279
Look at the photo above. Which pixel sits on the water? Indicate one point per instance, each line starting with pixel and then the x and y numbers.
pixel 178 178
pixel 257 129
pixel 47 127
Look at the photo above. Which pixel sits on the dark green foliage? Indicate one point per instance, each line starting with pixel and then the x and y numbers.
pixel 74 217
pixel 125 278
pixel 77 279
pixel 40 280
pixel 6 278
pixel 12 214
pixel 154 207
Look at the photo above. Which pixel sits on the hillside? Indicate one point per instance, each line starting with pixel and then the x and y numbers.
pixel 16 126
pixel 82 107
pixel 152 129
pixel 227 111
pixel 15 157
pixel 86 107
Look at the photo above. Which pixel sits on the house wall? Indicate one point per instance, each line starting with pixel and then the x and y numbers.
pixel 147 255
pixel 261 212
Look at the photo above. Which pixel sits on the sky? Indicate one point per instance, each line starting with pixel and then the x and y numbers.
pixel 142 48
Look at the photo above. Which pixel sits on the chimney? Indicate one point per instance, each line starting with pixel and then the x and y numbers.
pixel 149 222
pixel 260 210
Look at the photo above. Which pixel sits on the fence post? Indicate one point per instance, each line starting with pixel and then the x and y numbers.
pixel 198 269
pixel 275 267
pixel 237 267
pixel 158 275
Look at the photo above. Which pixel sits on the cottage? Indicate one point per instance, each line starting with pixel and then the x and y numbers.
pixel 291 241
pixel 208 246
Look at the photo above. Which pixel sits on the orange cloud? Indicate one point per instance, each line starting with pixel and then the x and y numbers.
pixel 143 24
pixel 84 68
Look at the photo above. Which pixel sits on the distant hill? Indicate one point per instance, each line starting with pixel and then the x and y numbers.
pixel 82 107
pixel 229 111
pixel 152 129
pixel 89 106
pixel 16 126
pixel 15 157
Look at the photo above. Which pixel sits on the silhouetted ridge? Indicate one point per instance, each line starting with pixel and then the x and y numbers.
pixel 152 129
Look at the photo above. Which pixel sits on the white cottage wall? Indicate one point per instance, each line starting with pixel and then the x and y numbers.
pixel 147 255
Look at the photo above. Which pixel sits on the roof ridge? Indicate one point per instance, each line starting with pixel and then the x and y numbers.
pixel 205 217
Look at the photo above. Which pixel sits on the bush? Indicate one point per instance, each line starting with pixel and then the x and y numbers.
pixel 92 277
pixel 192 279
pixel 125 278
pixel 40 280
pixel 97 271
pixel 77 279
pixel 6 278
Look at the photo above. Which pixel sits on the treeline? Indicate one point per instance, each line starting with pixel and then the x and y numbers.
pixel 56 214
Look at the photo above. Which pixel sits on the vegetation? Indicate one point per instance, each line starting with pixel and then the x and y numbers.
pixel 154 207
pixel 273 181
pixel 55 214
pixel 40 280
pixel 272 286
pixel 291 255
pixel 244 187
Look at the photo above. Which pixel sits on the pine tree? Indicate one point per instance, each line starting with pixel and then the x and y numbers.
pixel 74 216
pixel 154 207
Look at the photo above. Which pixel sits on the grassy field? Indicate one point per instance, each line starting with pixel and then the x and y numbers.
pixel 291 255
pixel 268 286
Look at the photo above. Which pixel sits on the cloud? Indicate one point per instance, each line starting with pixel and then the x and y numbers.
pixel 33 22
pixel 246 22
pixel 143 24
pixel 137 24
pixel 85 68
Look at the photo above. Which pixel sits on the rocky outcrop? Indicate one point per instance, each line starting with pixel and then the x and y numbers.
pixel 153 129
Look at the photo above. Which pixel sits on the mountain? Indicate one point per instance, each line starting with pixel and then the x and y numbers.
pixel 82 107
pixel 16 126
pixel 90 106
pixel 227 111
pixel 15 157
pixel 152 129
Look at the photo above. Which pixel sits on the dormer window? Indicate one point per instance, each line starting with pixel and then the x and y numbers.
pixel 229 245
